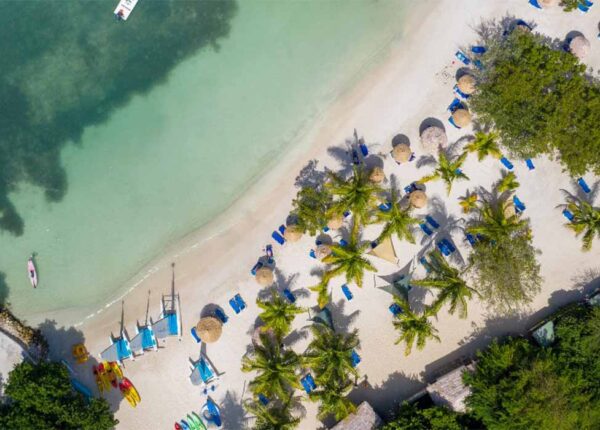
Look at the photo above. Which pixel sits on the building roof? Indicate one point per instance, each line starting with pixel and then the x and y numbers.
pixel 365 418
pixel 449 390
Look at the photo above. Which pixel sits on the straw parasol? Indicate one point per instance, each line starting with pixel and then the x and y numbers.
pixel 418 199
pixel 509 210
pixel 401 153
pixel 579 46
pixel 433 138
pixel 323 251
pixel 292 233
pixel 209 329
pixel 377 176
pixel 264 276
pixel 336 222
pixel 466 84
pixel 461 117
pixel 545 4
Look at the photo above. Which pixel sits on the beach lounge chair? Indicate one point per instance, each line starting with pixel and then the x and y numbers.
pixel 364 150
pixel 240 302
pixel 312 254
pixel 519 206
pixel 221 315
pixel 449 245
pixel 343 243
pixel 478 49
pixel 507 163
pixel 347 214
pixel 471 239
pixel 202 371
pixel 529 163
pixel 269 252
pixel 289 295
pixel 355 158
pixel 278 238
pixel 582 8
pixel 446 247
pixel 460 93
pixel 195 335
pixel 395 309
pixel 451 121
pixel 281 229
pixel 535 4
pixel 385 207
pixel 347 292
pixel 456 104
pixel 584 186
pixel 355 358
pixel 234 306
pixel 410 188
pixel 568 214
pixel 211 412
pixel 263 399
pixel 432 222
pixel 462 57
pixel 425 264
pixel 308 383
pixel 257 266
pixel 426 229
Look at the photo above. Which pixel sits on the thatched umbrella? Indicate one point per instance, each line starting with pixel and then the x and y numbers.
pixel 461 117
pixel 418 199
pixel 509 210
pixel 433 138
pixel 579 46
pixel 336 222
pixel 209 329
pixel 292 233
pixel 545 4
pixel 377 175
pixel 466 84
pixel 401 153
pixel 323 251
pixel 264 276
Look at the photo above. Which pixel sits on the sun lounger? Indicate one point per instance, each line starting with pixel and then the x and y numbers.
pixel 347 214
pixel 395 309
pixel 355 158
pixel 202 371
pixel 529 163
pixel 355 358
pixel 343 242
pixel 425 264
pixel 364 150
pixel 278 238
pixel 582 8
pixel 584 186
pixel 289 295
pixel 211 413
pixel 269 252
pixel 281 229
pixel 568 214
pixel 471 239
pixel 255 268
pixel 325 229
pixel 478 64
pixel 240 302
pixel 449 245
pixel 347 292
pixel 426 229
pixel 384 207
pixel 462 57
pixel 308 383
pixel 410 188
pixel 588 3
pixel 460 93
pixel 507 163
pixel 234 306
pixel 478 49
pixel 432 222
pixel 519 206
pixel 221 315
pixel 456 104
pixel 195 335
pixel 451 121
pixel 446 247
pixel 312 254
pixel 535 4
pixel 263 399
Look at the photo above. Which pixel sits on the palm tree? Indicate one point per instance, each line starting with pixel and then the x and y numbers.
pixel 586 220
pixel 468 202
pixel 357 194
pixel 508 183
pixel 322 290
pixel 273 416
pixel 450 284
pixel 495 223
pixel 397 220
pixel 329 355
pixel 414 328
pixel 278 314
pixel 275 367
pixel 348 260
pixel 447 170
pixel 485 144
pixel 333 401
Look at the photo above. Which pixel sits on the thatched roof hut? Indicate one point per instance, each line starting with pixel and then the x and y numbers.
pixel 433 138
pixel 401 153
pixel 364 418
pixel 461 117
pixel 449 390
pixel 264 276
pixel 377 175
pixel 209 329
pixel 579 46
pixel 418 199
pixel 292 233
pixel 336 222
pixel 466 84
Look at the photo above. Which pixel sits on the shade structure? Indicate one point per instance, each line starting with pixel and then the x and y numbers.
pixel 401 153
pixel 292 233
pixel 433 138
pixel 461 117
pixel 385 250
pixel 209 329
pixel 418 199
pixel 264 276
pixel 377 175
pixel 399 287
pixel 323 316
pixel 545 4
pixel 466 84
pixel 335 222
pixel 323 251
pixel 579 46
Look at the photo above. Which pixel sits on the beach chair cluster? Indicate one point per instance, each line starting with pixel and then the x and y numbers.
pixel 584 6
pixel 429 224
pixel 237 303
pixel 446 247
pixel 277 235
pixel 452 107
pixel 467 61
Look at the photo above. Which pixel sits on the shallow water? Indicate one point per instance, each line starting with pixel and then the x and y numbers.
pixel 175 157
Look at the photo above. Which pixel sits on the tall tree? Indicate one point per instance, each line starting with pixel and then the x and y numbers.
pixel 278 314
pixel 585 222
pixel 508 183
pixel 348 260
pixel 322 290
pixel 333 400
pixel 310 206
pixel 484 145
pixel 495 222
pixel 447 170
pixel 276 415
pixel 414 329
pixel 397 220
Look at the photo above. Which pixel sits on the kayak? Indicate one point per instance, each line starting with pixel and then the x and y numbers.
pixel 110 374
pixel 101 381
pixel 184 425
pixel 178 427
pixel 192 423
pixel 198 421
pixel 131 390
pixel 116 369
pixel 32 272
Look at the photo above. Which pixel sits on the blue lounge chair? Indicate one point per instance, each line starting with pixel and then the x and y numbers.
pixel 278 238
pixel 529 163
pixel 269 252
pixel 355 358
pixel 443 247
pixel 289 295
pixel 478 49
pixel 312 254
pixel 507 163
pixel 535 4
pixel 426 229
pixel 582 8
pixel 240 302
pixel 460 93
pixel 471 239
pixel 520 207
pixel 451 121
pixel 355 158
pixel 195 335
pixel 325 229
pixel 211 413
pixel 263 399
pixel 347 214
pixel 584 186
pixel 449 245
pixel 234 306
pixel 281 229
pixel 410 188
pixel 257 266
pixel 456 104
pixel 462 57
pixel 308 383
pixel 588 3
pixel 364 150
pixel 425 264
pixel 432 222
pixel 568 214
pixel 395 309
pixel 478 64
pixel 385 207
pixel 343 242
pixel 347 292
pixel 221 315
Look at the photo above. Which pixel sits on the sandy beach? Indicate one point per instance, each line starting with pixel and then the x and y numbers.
pixel 407 81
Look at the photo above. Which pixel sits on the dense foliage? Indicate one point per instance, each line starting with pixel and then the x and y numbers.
pixel 585 222
pixel 518 385
pixel 539 100
pixel 40 396
pixel 310 208
pixel 570 5
pixel 278 314
pixel 412 417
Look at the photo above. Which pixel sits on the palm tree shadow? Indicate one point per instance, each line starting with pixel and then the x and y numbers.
pixel 426 161
pixel 310 176
pixel 449 224
pixel 341 321
pixel 233 412
pixel 344 156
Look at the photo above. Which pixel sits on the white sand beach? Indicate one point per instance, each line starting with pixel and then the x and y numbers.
pixel 410 80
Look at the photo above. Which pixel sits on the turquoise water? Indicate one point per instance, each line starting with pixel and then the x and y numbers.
pixel 167 161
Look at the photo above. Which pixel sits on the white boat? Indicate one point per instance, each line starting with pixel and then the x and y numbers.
pixel 32 272
pixel 124 8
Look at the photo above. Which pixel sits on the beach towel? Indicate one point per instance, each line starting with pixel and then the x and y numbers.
pixel 584 186
pixel 506 163
pixel 347 292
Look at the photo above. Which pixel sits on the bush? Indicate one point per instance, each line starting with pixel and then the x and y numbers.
pixel 412 417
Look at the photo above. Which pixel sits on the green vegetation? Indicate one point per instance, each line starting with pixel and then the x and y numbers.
pixel 447 170
pixel 412 417
pixel 310 208
pixel 484 145
pixel 397 220
pixel 586 221
pixel 508 183
pixel 275 415
pixel 278 314
pixel 348 260
pixel 539 101
pixel 468 202
pixel 332 400
pixel 570 5
pixel 41 397
pixel 517 385
pixel 414 328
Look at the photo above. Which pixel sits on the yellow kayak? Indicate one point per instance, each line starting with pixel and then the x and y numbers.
pixel 129 391
pixel 101 380
pixel 117 369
